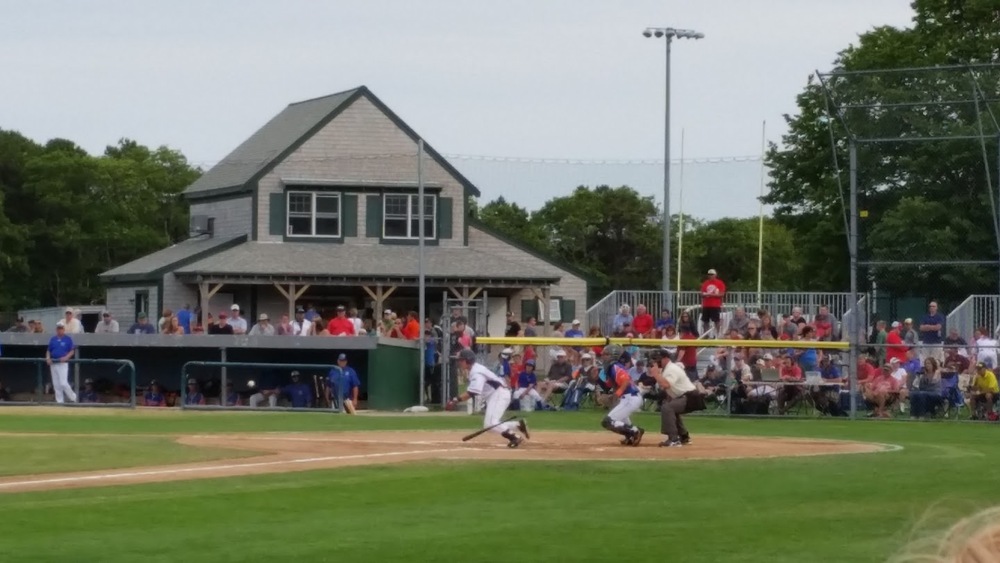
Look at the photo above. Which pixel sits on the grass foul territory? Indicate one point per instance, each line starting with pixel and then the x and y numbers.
pixel 654 343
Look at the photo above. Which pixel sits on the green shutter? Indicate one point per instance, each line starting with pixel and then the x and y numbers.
pixel 349 203
pixel 373 216
pixel 529 308
pixel 277 210
pixel 444 217
pixel 567 308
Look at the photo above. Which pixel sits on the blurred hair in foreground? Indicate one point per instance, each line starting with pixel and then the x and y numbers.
pixel 975 539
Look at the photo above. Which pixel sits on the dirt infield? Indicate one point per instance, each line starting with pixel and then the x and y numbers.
pixel 285 452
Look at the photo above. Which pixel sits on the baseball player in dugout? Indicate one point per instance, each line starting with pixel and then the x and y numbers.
pixel 495 391
pixel 681 398
pixel 614 378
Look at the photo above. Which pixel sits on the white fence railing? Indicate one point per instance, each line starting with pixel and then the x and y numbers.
pixel 976 311
pixel 602 314
pixel 861 310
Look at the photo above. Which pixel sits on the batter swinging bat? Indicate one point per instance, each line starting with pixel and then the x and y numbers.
pixel 482 431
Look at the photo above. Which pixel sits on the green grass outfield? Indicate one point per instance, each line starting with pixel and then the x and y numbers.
pixel 860 507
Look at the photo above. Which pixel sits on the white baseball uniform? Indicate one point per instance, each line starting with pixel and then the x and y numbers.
pixel 492 389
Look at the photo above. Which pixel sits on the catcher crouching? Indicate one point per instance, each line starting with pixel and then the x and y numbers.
pixel 682 397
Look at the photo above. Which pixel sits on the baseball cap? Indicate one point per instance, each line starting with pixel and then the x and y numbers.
pixel 895 324
pixel 980 365
pixel 506 351
pixel 60 324
pixel 235 307
pixel 142 315
pixel 712 272
pixel 586 357
pixel 88 381
pixel 530 363
pixel 340 308
pixel 561 354
pixel 908 321
pixel 262 317
pixel 192 381
pixel 295 373
pixel 341 357
pixel 894 361
pixel 69 309
pixel 223 315
pixel 576 321
pixel 299 310
pixel 384 313
pixel 761 363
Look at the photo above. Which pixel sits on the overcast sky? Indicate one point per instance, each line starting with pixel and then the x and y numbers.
pixel 570 79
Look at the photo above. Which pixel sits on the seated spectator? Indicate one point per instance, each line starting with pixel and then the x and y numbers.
pixel 902 378
pixel 172 326
pixel 740 369
pixel 759 394
pixel 302 326
pixel 107 325
pixel 925 398
pixel 624 317
pixel 88 394
pixel 527 383
pixel 665 320
pixel 867 369
pixel 141 326
pixel 983 392
pixel 913 365
pixel 341 325
pixel 740 322
pixel 595 332
pixel 789 329
pixel 767 330
pixel 319 327
pixel 825 325
pixel 154 396
pixel 826 397
pixel 753 354
pixel 164 321
pixel 643 322
pixel 808 358
pixel 882 391
pixel 951 389
pixel 791 391
pixel 284 326
pixel 232 398
pixel 300 394
pixel 713 381
pixel 954 342
pixel 559 376
pixel 670 333
pixel 986 348
pixel 194 395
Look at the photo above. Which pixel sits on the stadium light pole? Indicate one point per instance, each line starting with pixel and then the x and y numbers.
pixel 668 33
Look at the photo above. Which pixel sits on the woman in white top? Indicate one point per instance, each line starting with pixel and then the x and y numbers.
pixel 986 348
pixel 670 333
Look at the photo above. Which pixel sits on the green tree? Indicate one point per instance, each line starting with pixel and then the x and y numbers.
pixel 612 233
pixel 513 221
pixel 903 187
pixel 731 247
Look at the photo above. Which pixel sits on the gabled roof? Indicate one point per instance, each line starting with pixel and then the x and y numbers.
pixel 153 266
pixel 308 259
pixel 284 133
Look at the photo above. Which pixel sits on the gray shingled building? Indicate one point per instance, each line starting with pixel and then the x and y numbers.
pixel 320 206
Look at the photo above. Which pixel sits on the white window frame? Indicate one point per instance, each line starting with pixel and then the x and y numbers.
pixel 312 214
pixel 410 218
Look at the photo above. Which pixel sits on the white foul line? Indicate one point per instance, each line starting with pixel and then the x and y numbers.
pixel 106 476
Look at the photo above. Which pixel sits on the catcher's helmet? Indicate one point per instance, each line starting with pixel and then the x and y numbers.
pixel 467 356
pixel 613 351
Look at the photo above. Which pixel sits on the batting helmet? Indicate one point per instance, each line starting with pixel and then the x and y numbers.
pixel 467 355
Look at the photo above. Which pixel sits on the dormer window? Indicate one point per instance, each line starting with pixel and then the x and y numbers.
pixel 313 214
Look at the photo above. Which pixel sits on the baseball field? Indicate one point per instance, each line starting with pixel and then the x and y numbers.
pixel 103 485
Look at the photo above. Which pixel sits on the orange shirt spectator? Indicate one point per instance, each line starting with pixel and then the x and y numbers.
pixel 341 325
pixel 412 329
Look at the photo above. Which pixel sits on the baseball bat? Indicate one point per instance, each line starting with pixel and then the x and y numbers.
pixel 316 388
pixel 487 429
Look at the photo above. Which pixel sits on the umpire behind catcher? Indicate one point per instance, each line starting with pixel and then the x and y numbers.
pixel 682 397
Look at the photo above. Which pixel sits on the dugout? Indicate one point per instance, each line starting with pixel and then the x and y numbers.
pixel 388 368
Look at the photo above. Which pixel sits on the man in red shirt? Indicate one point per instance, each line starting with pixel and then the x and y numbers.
pixel 412 329
pixel 895 348
pixel 341 325
pixel 791 392
pixel 713 291
pixel 642 324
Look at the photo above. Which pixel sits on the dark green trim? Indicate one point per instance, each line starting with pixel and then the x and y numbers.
pixel 408 242
pixel 254 211
pixel 349 215
pixel 221 194
pixel 159 300
pixel 562 266
pixel 156 275
pixel 470 188
pixel 445 219
pixel 465 220
pixel 277 222
pixel 356 189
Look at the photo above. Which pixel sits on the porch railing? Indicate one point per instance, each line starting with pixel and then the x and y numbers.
pixel 976 311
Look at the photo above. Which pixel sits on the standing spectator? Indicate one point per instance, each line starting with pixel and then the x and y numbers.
pixel 622 319
pixel 107 324
pixel 825 324
pixel 932 330
pixel 881 339
pixel 19 326
pixel 319 327
pixel 284 327
pixel 643 322
pixel 513 328
pixel 263 326
pixel 154 396
pixel 341 325
pixel 909 335
pixel 60 351
pixel 432 366
pixel 310 314
pixel 713 292
pixel 411 331
pixel 164 321
pixel 359 324
pixel 142 326
pixel 236 320
pixel 531 327
pixel 895 349
pixel 301 326
pixel 986 348
pixel 665 320
pixel 687 324
pixel 221 327
pixel 72 323
pixel 184 318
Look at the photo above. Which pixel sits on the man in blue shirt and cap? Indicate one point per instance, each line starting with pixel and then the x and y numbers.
pixel 345 383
